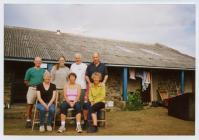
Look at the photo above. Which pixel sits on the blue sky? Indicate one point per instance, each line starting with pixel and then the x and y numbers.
pixel 169 24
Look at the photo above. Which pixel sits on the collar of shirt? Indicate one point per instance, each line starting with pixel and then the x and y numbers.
pixel 95 65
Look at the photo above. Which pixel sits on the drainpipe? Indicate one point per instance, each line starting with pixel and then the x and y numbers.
pixel 125 84
pixel 182 81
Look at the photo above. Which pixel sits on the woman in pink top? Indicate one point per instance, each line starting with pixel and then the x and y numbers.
pixel 71 100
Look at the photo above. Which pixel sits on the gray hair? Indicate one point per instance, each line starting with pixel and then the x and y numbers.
pixel 47 73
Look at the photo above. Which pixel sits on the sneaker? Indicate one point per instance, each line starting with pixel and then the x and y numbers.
pixel 61 129
pixel 92 129
pixel 41 128
pixel 49 128
pixel 79 129
pixel 28 124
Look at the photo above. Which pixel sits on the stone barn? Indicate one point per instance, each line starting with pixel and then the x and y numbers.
pixel 150 67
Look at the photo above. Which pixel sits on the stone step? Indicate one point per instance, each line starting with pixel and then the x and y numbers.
pixel 16 111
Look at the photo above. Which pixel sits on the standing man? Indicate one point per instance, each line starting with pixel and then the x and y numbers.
pixel 33 77
pixel 79 69
pixel 96 66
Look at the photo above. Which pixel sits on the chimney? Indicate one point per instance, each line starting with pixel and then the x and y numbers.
pixel 58 32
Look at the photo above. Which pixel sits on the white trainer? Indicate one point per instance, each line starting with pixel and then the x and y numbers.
pixel 79 129
pixel 49 128
pixel 61 129
pixel 41 128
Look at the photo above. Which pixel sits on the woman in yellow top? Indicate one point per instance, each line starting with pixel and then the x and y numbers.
pixel 96 98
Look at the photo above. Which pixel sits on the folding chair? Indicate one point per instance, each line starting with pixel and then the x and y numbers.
pixel 36 114
pixel 71 114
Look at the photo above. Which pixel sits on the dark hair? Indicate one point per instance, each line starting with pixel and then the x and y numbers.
pixel 72 74
pixel 57 65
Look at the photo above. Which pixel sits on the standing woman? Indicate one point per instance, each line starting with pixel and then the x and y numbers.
pixel 59 73
pixel 46 94
pixel 72 93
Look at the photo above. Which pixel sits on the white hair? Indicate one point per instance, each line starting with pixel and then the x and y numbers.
pixel 78 54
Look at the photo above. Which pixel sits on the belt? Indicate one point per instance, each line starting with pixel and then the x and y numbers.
pixel 33 86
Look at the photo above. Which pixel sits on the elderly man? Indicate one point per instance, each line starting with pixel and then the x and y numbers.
pixel 33 77
pixel 79 69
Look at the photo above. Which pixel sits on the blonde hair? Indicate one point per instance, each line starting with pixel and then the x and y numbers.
pixel 96 74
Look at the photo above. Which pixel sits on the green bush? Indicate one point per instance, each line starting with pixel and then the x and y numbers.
pixel 134 101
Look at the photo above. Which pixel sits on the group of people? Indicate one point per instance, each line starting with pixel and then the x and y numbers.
pixel 80 87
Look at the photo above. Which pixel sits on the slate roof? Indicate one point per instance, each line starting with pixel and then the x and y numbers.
pixel 25 43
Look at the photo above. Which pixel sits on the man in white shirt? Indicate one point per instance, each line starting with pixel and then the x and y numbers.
pixel 79 69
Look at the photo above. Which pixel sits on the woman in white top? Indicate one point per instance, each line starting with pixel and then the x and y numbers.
pixel 59 73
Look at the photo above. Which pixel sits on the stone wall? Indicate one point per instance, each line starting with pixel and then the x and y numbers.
pixel 8 77
pixel 114 87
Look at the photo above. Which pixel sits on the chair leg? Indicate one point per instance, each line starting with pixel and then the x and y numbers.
pixel 54 118
pixel 105 122
pixel 56 102
pixel 33 122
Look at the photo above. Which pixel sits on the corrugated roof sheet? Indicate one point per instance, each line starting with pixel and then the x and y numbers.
pixel 28 43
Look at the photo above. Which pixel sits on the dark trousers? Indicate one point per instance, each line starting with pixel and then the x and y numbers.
pixel 95 108
pixel 65 106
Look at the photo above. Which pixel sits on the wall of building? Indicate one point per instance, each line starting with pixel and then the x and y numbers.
pixel 114 86
pixel 8 78
pixel 189 82
pixel 134 84
pixel 170 80
pixel 14 88
pixel 15 71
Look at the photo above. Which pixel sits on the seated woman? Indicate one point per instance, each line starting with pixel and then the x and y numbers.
pixel 71 100
pixel 97 100
pixel 46 94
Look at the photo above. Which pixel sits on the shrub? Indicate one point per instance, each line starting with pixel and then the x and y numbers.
pixel 134 101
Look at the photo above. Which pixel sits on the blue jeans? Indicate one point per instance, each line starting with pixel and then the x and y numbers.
pixel 42 112
pixel 65 106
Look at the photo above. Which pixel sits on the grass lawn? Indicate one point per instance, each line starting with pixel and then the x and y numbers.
pixel 151 121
